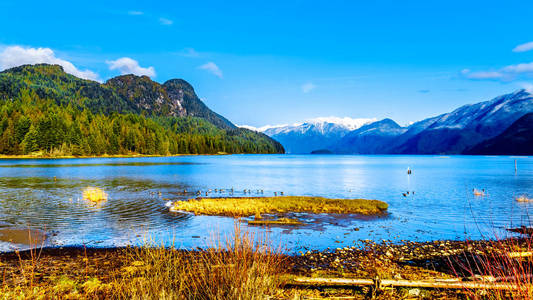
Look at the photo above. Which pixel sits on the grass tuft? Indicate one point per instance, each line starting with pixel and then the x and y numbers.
pixel 242 266
pixel 94 194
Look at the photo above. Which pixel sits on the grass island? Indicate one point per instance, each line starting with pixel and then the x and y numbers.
pixel 248 206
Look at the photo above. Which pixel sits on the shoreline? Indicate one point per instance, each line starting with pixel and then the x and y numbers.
pixel 29 156
pixel 8 157
pixel 442 261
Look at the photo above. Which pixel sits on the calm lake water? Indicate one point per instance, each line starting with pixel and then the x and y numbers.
pixel 47 194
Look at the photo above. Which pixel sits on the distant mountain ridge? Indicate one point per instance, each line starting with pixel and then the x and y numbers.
pixel 450 133
pixel 313 134
pixel 371 138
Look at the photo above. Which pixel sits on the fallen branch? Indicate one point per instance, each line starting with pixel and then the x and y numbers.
pixel 435 284
pixel 520 254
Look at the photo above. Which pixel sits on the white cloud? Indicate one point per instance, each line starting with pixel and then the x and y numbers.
pixel 307 87
pixel 523 47
pixel 212 68
pixel 165 21
pixel 135 13
pixel 13 56
pixel 127 65
pixel 482 74
pixel 519 68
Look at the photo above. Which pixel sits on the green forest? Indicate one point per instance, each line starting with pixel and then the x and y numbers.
pixel 44 110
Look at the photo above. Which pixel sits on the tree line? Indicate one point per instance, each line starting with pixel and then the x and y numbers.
pixel 29 124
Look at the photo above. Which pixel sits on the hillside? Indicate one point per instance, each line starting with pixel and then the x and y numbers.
pixel 515 140
pixel 42 108
pixel 454 132
pixel 371 138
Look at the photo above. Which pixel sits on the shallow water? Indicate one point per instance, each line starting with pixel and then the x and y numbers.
pixel 46 194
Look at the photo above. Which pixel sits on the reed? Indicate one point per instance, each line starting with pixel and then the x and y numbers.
pixel 504 261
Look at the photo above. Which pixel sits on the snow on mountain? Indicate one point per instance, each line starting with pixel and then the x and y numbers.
pixel 464 127
pixel 449 133
pixel 312 134
pixel 349 123
pixel 320 123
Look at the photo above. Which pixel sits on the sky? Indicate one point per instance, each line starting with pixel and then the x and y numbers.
pixel 277 62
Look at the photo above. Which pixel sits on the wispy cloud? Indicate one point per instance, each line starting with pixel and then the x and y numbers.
pixel 135 13
pixel 189 52
pixel 423 91
pixel 13 56
pixel 507 73
pixel 307 87
pixel 519 68
pixel 523 47
pixel 127 65
pixel 212 68
pixel 165 21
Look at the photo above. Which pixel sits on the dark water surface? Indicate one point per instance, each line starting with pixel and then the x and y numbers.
pixel 47 194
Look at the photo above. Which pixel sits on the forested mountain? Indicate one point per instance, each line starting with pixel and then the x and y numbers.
pixel 42 108
pixel 516 140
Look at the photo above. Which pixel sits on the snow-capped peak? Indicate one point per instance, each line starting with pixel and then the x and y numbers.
pixel 346 122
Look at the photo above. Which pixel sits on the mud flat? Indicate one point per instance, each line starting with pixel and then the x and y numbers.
pixel 26 237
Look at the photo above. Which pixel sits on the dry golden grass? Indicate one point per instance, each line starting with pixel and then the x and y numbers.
pixel 240 267
pixel 248 206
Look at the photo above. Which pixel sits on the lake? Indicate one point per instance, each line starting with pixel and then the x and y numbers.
pixel 47 194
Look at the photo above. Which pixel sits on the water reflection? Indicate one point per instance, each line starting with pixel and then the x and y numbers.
pixel 108 164
pixel 49 194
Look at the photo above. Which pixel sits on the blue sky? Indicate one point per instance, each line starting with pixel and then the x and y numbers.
pixel 273 62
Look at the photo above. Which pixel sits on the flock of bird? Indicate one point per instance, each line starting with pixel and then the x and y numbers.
pixel 217 191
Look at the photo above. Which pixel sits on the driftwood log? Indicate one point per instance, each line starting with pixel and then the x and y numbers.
pixel 435 284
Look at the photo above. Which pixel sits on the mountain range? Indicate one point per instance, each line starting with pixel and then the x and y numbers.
pixel 501 125
pixel 44 109
pixel 312 134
